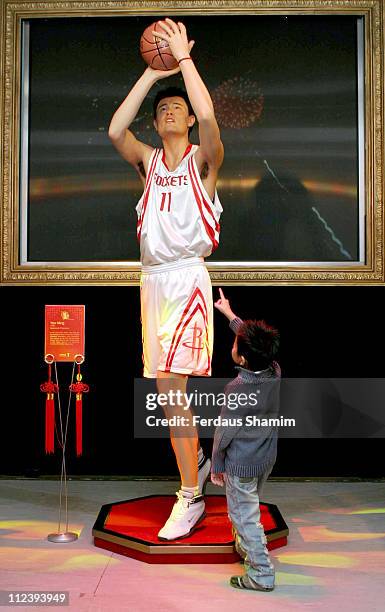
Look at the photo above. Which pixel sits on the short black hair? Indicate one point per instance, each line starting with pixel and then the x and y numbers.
pixel 170 92
pixel 258 343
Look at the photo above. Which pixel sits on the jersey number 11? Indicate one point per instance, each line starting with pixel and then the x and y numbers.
pixel 164 201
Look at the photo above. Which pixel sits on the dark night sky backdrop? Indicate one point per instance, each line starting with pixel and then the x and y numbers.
pixel 305 68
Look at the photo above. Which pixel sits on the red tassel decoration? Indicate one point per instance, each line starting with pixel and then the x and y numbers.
pixel 50 389
pixel 79 424
pixel 79 388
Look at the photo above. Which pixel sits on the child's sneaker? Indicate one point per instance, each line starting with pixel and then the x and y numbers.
pixel 244 582
pixel 187 512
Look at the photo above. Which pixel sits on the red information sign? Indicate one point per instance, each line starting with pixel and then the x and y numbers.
pixel 64 333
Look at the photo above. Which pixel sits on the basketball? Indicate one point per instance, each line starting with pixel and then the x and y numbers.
pixel 156 52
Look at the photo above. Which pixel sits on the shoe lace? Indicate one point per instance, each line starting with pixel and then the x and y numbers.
pixel 179 507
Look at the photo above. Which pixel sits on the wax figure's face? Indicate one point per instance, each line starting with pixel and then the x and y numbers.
pixel 172 117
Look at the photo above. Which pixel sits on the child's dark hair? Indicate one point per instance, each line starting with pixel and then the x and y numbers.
pixel 170 92
pixel 258 343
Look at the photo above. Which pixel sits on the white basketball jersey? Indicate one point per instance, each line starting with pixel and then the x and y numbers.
pixel 176 217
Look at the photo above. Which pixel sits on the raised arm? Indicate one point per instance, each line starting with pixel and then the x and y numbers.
pixel 223 305
pixel 130 148
pixel 210 145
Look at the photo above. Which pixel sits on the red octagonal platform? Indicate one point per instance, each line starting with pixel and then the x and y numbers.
pixel 130 528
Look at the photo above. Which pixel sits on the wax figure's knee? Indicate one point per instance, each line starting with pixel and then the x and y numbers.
pixel 171 381
pixel 173 386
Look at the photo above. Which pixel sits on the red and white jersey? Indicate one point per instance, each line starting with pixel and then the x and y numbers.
pixel 176 217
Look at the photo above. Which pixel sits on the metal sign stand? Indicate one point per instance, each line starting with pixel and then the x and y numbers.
pixel 60 535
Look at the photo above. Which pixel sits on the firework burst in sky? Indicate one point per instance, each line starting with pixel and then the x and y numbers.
pixel 238 102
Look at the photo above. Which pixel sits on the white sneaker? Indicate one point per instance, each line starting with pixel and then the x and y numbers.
pixel 187 512
pixel 204 476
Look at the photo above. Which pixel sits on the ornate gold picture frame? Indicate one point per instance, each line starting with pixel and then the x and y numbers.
pixel 364 267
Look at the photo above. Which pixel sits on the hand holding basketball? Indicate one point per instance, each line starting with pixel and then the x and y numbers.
pixel 157 53
pixel 161 74
pixel 176 37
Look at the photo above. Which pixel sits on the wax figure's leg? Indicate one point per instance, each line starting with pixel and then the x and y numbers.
pixel 184 439
pixel 193 466
pixel 189 509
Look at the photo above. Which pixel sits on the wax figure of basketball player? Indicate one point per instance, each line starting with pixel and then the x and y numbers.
pixel 178 225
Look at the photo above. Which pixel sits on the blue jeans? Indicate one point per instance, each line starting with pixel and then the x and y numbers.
pixel 250 540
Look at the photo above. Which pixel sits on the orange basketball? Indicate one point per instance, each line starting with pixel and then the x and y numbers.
pixel 155 51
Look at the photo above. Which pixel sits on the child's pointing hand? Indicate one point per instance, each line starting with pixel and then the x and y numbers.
pixel 223 305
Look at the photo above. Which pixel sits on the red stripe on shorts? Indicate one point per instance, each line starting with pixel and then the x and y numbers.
pixel 171 352
pixel 187 321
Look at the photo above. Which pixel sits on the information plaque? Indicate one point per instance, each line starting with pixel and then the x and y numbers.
pixel 64 333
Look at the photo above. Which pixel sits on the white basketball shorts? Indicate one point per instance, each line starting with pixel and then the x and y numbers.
pixel 177 318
